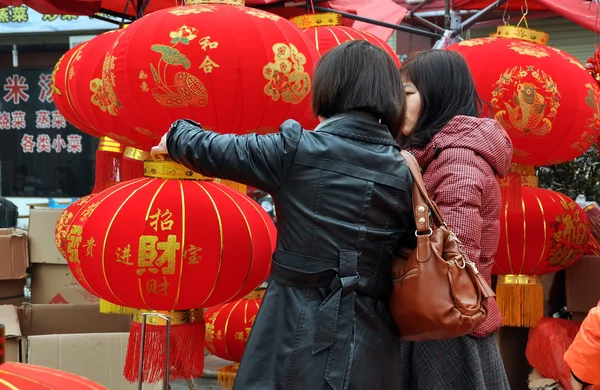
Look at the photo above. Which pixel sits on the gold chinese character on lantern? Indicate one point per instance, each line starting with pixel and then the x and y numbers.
pixel 73 242
pixel 150 259
pixel 154 287
pixel 239 336
pixel 219 335
pixel 164 219
pixel 205 43
pixel 89 247
pixel 87 212
pixel 124 255
pixel 208 65
pixel 192 256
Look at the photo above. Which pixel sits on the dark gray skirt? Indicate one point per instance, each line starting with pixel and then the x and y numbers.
pixel 464 363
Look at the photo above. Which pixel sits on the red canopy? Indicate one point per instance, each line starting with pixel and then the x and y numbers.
pixel 381 10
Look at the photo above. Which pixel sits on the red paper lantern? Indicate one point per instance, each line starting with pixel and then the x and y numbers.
pixel 232 68
pixel 92 89
pixel 542 231
pixel 61 76
pixel 228 326
pixel 170 243
pixel 545 98
pixel 27 376
pixel 326 31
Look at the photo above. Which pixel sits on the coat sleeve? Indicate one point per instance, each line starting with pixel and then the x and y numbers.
pixel 456 184
pixel 261 161
pixel 583 356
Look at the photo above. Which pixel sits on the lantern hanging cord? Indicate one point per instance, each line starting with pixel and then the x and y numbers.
pixel 312 6
pixel 505 17
pixel 524 15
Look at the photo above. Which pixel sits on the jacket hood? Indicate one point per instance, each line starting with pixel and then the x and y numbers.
pixel 484 136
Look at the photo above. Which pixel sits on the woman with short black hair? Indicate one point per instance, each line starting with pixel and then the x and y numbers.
pixel 343 199
pixel 461 155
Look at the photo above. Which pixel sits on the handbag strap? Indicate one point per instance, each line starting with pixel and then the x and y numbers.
pixel 421 200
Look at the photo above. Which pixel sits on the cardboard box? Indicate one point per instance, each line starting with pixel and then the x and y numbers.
pixel 583 286
pixel 42 245
pixel 14 257
pixel 54 283
pixel 12 292
pixel 99 357
pixel 9 318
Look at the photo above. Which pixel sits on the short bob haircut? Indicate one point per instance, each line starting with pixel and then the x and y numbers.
pixel 359 76
pixel 446 86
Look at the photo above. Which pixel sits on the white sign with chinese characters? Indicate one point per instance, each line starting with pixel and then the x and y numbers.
pixel 22 19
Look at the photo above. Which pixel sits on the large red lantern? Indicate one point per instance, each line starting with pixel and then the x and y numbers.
pixel 61 76
pixel 31 377
pixel 232 68
pixel 170 243
pixel 542 231
pixel 228 327
pixel 326 31
pixel 545 98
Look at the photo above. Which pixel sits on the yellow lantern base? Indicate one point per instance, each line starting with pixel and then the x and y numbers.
pixel 110 308
pixel 520 299
pixel 326 19
pixel 523 34
pixel 226 376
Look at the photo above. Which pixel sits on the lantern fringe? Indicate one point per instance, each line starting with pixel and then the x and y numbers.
pixel 131 169
pixel 110 308
pixel 520 305
pixel 107 169
pixel 186 352
pixel 226 376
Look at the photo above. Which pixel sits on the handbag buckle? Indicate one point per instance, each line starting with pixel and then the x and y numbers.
pixel 458 264
pixel 428 234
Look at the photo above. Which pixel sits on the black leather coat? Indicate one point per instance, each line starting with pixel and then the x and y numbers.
pixel 343 200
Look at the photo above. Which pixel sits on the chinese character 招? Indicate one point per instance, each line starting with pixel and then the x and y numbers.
pixel 58 144
pixel 43 143
pixel 58 120
pixel 18 120
pixel 149 258
pixel 16 88
pixel 43 119
pixel 27 143
pixel 74 143
pixel 4 120
pixel 166 223
pixel 45 83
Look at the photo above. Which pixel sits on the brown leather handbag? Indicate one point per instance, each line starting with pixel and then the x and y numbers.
pixel 438 292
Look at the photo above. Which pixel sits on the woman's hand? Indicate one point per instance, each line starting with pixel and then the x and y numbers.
pixel 158 152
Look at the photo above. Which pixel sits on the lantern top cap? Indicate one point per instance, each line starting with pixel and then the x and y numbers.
pixel 176 317
pixel 136 154
pixel 329 19
pixel 168 169
pixel 226 2
pixel 109 145
pixel 523 34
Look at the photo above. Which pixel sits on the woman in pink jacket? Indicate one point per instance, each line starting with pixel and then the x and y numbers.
pixel 583 356
pixel 461 155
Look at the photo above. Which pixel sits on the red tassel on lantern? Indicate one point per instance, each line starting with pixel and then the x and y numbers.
pixel 132 164
pixel 108 161
pixel 186 349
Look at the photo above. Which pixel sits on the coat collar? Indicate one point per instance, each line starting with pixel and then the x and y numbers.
pixel 358 126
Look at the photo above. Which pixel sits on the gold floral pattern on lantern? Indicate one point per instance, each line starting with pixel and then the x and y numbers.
pixel 259 14
pixel 570 234
pixel 475 42
pixel 103 91
pixel 53 86
pixel 593 125
pixel 146 132
pixel 192 10
pixel 568 57
pixel 185 89
pixel 64 223
pixel 529 49
pixel 526 99
pixel 121 139
pixel 286 76
pixel 76 57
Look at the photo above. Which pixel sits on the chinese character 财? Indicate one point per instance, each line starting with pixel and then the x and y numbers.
pixel 43 119
pixel 43 143
pixel 16 88
pixel 149 258
pixel 58 143
pixel 27 143
pixel 17 119
pixel 5 120
pixel 45 83
pixel 153 287
pixel 74 143
pixel 58 120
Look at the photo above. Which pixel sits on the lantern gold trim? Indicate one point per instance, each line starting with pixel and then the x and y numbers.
pixel 109 145
pixel 136 154
pixel 527 280
pixel 527 173
pixel 165 169
pixel 523 34
pixel 329 19
pixel 226 2
pixel 177 317
pixel 259 293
